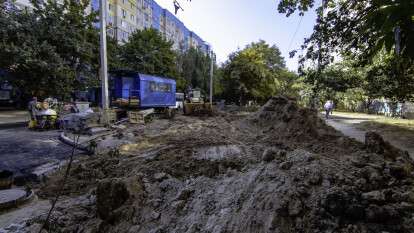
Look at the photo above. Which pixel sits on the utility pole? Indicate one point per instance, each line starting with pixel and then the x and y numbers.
pixel 319 69
pixel 104 60
pixel 211 75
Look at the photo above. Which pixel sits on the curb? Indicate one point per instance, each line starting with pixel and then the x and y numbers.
pixel 63 138
pixel 18 202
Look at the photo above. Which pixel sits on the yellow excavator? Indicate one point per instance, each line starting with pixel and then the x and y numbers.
pixel 194 104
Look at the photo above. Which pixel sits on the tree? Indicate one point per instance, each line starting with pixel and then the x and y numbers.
pixel 390 76
pixel 148 52
pixel 194 66
pixel 361 28
pixel 50 50
pixel 366 31
pixel 254 73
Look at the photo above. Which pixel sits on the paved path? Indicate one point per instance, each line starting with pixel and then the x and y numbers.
pixel 13 118
pixel 347 125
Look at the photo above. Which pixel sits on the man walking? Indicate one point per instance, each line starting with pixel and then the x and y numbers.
pixel 328 108
pixel 32 108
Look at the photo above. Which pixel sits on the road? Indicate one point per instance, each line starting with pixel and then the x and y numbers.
pixel 13 118
pixel 22 150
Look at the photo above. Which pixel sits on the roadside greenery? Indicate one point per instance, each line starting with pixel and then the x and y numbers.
pixel 194 66
pixel 257 72
pixel 148 52
pixel 371 39
pixel 50 50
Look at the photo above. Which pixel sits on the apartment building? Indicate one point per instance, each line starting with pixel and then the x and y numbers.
pixel 127 16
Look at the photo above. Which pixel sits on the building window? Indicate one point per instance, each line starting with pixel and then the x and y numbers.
pixel 125 35
pixel 110 7
pixel 123 1
pixel 132 17
pixel 110 20
pixel 123 24
pixel 124 13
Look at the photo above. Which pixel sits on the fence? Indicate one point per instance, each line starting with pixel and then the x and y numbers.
pixel 388 108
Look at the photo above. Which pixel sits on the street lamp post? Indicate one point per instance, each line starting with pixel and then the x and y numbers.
pixel 211 75
pixel 104 60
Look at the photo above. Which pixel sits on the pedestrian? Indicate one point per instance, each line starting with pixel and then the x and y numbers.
pixel 328 108
pixel 32 108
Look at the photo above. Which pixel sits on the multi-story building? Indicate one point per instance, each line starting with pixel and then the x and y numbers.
pixel 127 16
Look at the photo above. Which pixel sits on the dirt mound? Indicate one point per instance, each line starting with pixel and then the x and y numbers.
pixel 284 117
pixel 279 170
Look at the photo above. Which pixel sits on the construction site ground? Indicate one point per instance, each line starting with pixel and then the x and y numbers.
pixel 281 169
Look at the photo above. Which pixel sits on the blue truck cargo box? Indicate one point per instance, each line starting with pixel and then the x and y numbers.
pixel 151 91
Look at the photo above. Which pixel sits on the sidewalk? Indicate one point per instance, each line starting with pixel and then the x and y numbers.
pixel 356 125
pixel 13 118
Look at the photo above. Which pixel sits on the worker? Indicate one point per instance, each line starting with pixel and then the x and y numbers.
pixel 328 108
pixel 32 108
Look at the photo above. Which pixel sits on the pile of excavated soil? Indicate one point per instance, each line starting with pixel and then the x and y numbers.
pixel 283 116
pixel 278 170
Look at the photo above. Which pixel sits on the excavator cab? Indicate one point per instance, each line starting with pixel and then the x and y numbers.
pixel 194 104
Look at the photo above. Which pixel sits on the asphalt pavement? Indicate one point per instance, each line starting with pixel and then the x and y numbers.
pixel 22 151
pixel 13 118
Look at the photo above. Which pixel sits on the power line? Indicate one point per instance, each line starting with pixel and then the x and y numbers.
pixel 296 31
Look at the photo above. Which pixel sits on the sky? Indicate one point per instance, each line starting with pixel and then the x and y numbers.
pixel 229 25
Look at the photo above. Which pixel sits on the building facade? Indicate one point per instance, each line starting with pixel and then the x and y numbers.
pixel 127 16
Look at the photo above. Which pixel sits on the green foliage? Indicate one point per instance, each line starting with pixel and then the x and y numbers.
pixel 290 84
pixel 391 77
pixel 255 73
pixel 114 54
pixel 350 100
pixel 194 66
pixel 337 77
pixel 367 31
pixel 361 28
pixel 388 76
pixel 148 52
pixel 51 50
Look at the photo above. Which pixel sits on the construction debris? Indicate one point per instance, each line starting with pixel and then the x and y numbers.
pixel 280 169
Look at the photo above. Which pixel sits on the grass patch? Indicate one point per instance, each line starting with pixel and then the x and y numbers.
pixel 379 121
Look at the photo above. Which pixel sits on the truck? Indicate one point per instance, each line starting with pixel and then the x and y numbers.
pixel 134 90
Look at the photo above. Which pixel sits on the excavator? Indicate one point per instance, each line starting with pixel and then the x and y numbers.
pixel 194 104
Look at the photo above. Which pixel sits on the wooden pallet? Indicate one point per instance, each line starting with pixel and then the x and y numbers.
pixel 137 117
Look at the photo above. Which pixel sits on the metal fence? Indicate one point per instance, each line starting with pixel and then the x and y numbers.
pixel 388 108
